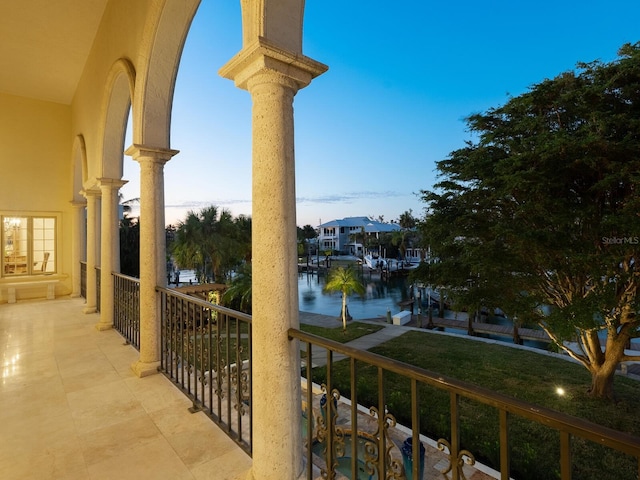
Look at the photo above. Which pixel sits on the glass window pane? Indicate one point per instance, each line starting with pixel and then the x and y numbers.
pixel 43 245
pixel 14 237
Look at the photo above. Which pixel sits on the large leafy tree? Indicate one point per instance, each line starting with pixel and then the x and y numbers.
pixel 305 234
pixel 540 214
pixel 344 280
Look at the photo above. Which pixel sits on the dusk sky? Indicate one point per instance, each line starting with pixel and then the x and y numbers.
pixel 402 78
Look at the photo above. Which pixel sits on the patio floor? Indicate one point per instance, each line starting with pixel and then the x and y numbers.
pixel 70 406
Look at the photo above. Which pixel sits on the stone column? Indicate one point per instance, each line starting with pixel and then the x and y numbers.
pixel 273 78
pixel 77 245
pixel 109 248
pixel 92 201
pixel 152 252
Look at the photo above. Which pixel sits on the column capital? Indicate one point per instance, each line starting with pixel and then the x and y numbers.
pixel 92 191
pixel 158 154
pixel 78 204
pixel 113 183
pixel 262 57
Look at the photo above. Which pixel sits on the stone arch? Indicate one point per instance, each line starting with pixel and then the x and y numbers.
pixel 79 170
pixel 119 91
pixel 164 40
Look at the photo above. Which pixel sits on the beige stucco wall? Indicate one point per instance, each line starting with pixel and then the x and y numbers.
pixel 34 164
pixel 119 37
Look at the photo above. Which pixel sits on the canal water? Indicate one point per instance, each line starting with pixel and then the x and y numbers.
pixel 380 297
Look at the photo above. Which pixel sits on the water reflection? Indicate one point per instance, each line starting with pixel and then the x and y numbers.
pixel 379 297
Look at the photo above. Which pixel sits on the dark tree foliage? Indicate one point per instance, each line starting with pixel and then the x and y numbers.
pixel 130 247
pixel 540 215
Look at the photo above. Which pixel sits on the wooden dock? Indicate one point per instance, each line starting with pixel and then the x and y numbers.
pixel 488 328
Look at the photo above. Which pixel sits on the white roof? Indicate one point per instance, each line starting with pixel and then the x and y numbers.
pixel 370 226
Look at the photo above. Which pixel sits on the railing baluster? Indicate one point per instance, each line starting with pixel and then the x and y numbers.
pixel 250 373
pixel 505 468
pixel 415 430
pixel 210 359
pixel 354 418
pixel 454 403
pixel 329 419
pixel 565 455
pixel 239 376
pixel 228 357
pixel 382 413
pixel 310 419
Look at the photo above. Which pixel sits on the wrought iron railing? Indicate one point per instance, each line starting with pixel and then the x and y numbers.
pixel 83 283
pixel 206 352
pixel 83 279
pixel 126 308
pixel 98 288
pixel 363 440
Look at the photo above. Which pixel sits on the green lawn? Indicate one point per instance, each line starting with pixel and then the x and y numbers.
pixel 518 373
pixel 354 330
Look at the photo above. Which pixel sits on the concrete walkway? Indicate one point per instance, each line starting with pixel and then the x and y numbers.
pixel 319 355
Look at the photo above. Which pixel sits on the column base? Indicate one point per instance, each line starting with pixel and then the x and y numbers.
pixel 144 369
pixel 89 310
pixel 301 476
pixel 103 326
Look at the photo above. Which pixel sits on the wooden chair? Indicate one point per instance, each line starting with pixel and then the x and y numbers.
pixel 45 260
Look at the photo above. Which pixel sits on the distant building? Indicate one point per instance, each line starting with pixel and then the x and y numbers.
pixel 340 235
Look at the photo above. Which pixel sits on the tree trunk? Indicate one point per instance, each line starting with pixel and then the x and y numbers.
pixel 470 318
pixel 605 361
pixel 344 311
pixel 516 335
pixel 602 381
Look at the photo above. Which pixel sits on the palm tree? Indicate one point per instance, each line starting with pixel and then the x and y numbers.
pixel 238 295
pixel 187 246
pixel 211 241
pixel 343 279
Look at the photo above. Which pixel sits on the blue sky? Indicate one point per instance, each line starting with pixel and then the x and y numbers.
pixel 402 77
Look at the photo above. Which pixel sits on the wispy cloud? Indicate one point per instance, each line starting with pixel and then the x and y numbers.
pixel 347 197
pixel 206 203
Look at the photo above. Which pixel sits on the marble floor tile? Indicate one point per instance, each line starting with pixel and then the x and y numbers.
pixel 71 407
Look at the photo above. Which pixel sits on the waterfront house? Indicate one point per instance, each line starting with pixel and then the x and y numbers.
pixel 340 235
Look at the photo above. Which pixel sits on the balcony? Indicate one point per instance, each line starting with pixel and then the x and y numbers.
pixel 71 406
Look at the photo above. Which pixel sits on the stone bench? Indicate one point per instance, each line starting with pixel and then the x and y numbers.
pixel 624 366
pixel 50 286
pixel 402 318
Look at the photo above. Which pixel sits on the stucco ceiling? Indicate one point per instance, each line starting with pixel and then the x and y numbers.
pixel 44 45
